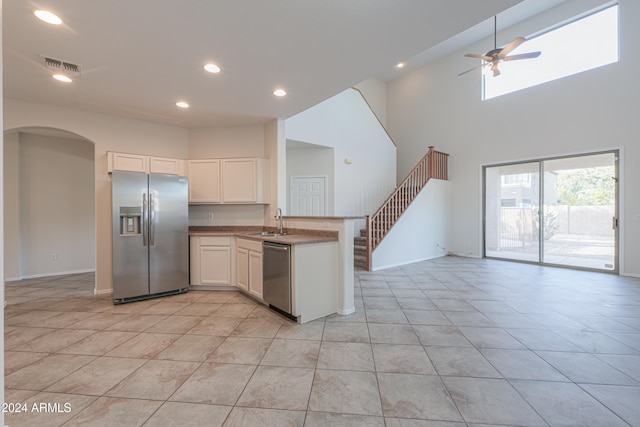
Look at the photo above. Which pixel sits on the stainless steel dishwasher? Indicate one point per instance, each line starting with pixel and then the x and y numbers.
pixel 276 277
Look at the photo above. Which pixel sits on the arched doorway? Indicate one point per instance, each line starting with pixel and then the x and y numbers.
pixel 49 203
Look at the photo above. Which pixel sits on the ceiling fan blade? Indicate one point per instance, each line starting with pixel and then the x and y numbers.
pixel 484 57
pixel 471 69
pixel 522 56
pixel 514 44
pixel 495 69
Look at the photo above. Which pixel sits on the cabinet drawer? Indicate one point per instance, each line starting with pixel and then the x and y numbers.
pixel 215 241
pixel 251 245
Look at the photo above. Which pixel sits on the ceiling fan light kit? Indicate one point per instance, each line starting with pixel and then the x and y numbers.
pixel 497 55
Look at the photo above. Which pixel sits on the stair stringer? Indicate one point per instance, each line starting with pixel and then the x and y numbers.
pixel 422 232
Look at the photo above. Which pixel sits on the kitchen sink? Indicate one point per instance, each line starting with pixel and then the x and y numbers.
pixel 267 234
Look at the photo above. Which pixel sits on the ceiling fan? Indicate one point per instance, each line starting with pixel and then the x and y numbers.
pixel 497 55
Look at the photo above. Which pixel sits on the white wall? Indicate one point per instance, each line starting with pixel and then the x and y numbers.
pixel 224 142
pixel 108 133
pixel 374 92
pixel 1 228
pixel 346 123
pixel 591 111
pixel 52 178
pixel 275 146
pixel 11 206
pixel 422 232
pixel 311 162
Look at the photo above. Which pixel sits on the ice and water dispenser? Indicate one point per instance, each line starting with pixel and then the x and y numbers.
pixel 130 217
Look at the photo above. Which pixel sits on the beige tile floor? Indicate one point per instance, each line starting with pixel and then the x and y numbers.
pixel 448 342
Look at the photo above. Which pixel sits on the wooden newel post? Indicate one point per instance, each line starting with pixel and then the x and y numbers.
pixel 430 162
pixel 369 245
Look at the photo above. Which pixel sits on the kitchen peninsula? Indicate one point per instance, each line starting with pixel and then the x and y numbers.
pixel 230 258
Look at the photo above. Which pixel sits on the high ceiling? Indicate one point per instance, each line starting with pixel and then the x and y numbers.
pixel 138 58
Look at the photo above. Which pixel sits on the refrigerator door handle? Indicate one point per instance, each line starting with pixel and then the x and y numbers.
pixel 152 218
pixel 144 219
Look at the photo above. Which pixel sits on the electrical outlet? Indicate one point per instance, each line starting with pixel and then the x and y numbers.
pixel 210 216
pixel 53 257
pixel 325 224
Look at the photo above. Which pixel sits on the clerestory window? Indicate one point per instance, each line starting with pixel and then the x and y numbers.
pixel 588 42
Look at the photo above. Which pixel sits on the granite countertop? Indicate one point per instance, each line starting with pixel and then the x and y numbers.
pixel 293 236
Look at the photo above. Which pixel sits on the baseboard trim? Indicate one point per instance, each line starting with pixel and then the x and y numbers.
pixel 53 274
pixel 347 311
pixel 103 292
pixel 384 267
pixel 215 288
pixel 630 275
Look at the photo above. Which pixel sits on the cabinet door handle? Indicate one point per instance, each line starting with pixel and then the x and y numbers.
pixel 277 248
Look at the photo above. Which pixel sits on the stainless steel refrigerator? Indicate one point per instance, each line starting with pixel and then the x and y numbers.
pixel 150 231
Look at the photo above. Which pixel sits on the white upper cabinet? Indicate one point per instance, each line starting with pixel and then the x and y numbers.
pixel 166 165
pixel 245 180
pixel 127 162
pixel 204 181
pixel 231 181
pixel 141 163
pixel 211 181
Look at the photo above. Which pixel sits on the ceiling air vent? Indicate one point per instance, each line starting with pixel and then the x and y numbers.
pixel 60 66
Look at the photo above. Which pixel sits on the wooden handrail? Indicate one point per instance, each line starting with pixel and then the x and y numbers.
pixel 433 165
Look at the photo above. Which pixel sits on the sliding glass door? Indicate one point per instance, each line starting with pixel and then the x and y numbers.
pixel 560 211
pixel 512 196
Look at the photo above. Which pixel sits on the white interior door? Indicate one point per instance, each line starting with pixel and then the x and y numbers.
pixel 308 196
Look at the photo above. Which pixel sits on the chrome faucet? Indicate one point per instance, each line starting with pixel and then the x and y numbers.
pixel 279 219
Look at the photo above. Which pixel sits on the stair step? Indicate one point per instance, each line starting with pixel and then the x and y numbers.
pixel 360 241
pixel 359 251
pixel 360 261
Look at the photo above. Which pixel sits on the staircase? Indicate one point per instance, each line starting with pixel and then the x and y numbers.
pixel 360 250
pixel 433 165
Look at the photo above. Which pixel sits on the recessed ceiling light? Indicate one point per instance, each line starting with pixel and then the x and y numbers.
pixel 400 64
pixel 48 17
pixel 62 78
pixel 279 92
pixel 212 68
pixel 182 104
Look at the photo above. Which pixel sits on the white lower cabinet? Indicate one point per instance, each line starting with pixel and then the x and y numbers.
pixel 211 260
pixel 255 273
pixel 242 262
pixel 225 261
pixel 249 266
